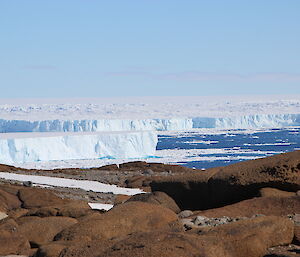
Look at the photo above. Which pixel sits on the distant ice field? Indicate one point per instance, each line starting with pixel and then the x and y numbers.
pixel 204 148
pixel 213 131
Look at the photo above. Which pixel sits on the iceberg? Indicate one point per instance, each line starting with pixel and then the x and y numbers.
pixel 32 147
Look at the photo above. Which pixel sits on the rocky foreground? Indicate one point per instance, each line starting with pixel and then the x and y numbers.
pixel 248 209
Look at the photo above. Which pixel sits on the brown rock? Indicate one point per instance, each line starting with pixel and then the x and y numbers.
pixel 87 249
pixel 17 213
pixel 284 251
pixel 160 198
pixel 121 220
pixel 274 192
pixel 9 201
pixel 249 238
pixel 138 181
pixel 11 189
pixel 37 198
pixel 252 237
pixel 52 249
pixel 11 241
pixel 225 185
pixel 121 199
pixel 155 167
pixel 276 206
pixel 42 230
pixel 74 209
pixel 43 212
pixel 90 216
pixel 297 234
pixel 165 244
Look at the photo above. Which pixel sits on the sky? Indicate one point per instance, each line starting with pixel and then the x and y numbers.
pixel 90 48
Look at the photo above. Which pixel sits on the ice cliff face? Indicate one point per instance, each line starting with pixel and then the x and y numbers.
pixel 31 148
pixel 249 121
pixel 242 122
pixel 93 125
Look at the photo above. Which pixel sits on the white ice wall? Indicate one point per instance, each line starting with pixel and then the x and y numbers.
pixel 93 125
pixel 248 121
pixel 80 146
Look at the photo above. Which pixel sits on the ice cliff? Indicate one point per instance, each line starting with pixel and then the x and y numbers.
pixel 93 125
pixel 248 121
pixel 239 122
pixel 31 147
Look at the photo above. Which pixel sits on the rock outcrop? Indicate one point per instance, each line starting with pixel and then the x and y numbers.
pixel 226 185
pixel 247 209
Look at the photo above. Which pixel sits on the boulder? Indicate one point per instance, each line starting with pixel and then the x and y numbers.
pixel 37 198
pixel 42 230
pixel 221 186
pixel 138 181
pixel 47 211
pixel 185 214
pixel 52 249
pixel 155 167
pixel 17 213
pixel 121 199
pixel 160 198
pixel 11 241
pixel 297 234
pixel 276 206
pixel 73 209
pixel 164 244
pixel 253 237
pixel 11 189
pixel 86 249
pixel 284 251
pixel 274 192
pixel 250 238
pixel 121 220
pixel 9 201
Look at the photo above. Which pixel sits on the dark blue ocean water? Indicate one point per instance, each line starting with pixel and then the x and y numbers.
pixel 230 146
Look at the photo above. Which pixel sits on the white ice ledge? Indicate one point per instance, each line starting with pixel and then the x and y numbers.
pixel 33 147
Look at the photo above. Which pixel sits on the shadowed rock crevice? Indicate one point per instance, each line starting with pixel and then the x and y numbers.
pixel 218 187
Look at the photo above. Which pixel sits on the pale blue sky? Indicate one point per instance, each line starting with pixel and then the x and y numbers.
pixel 89 48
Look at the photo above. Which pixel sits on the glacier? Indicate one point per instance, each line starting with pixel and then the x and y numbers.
pixel 173 124
pixel 34 147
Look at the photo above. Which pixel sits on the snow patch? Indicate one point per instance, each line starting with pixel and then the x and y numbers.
pixel 86 185
pixel 101 206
